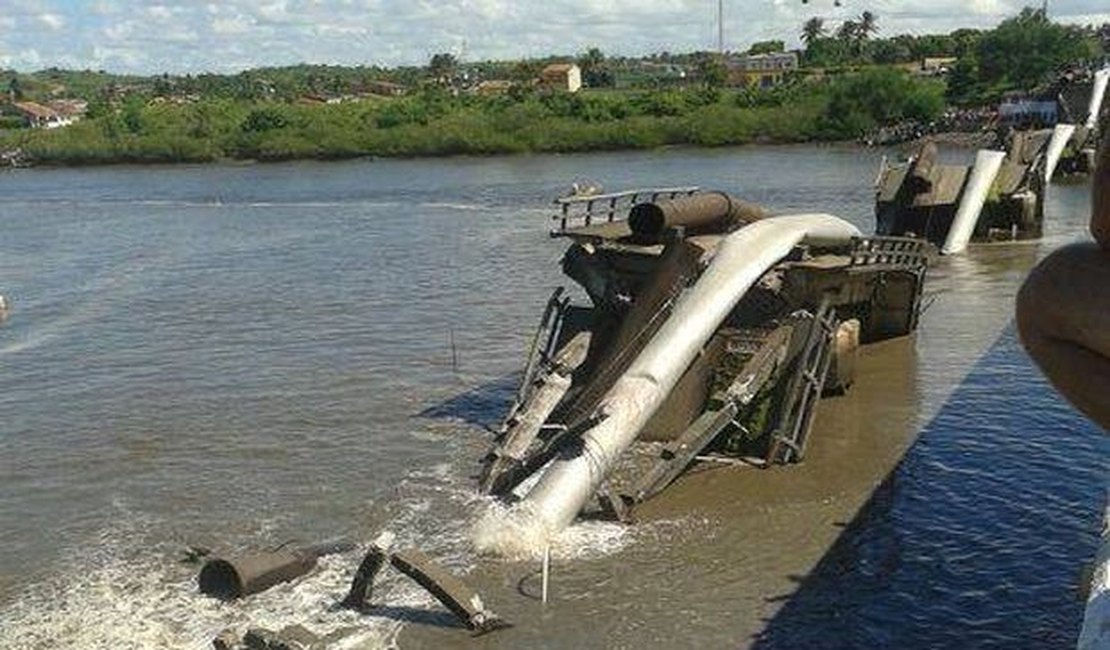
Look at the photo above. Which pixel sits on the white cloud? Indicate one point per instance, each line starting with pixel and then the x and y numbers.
pixel 51 21
pixel 195 35
pixel 230 25
pixel 159 13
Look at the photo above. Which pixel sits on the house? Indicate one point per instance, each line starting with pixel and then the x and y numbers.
pixel 74 109
pixel 39 116
pixel 562 76
pixel 492 87
pixel 761 70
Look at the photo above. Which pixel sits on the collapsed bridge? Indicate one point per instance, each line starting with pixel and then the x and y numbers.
pixel 713 329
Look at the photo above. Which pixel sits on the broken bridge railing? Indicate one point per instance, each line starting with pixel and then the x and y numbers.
pixel 586 210
pixel 909 252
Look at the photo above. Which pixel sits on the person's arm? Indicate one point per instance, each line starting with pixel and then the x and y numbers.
pixel 1100 195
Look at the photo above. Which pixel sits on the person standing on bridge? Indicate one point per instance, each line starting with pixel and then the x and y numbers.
pixel 1063 309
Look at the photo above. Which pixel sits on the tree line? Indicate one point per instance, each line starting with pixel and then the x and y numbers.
pixel 436 122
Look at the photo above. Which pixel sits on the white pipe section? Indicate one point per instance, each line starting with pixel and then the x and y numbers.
pixel 741 259
pixel 1061 135
pixel 1098 92
pixel 987 164
pixel 1095 633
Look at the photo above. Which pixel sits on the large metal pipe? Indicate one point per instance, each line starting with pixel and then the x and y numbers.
pixel 1061 135
pixel 231 578
pixel 987 164
pixel 698 212
pixel 920 176
pixel 741 259
pixel 1098 93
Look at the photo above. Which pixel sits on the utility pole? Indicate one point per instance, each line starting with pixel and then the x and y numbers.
pixel 720 26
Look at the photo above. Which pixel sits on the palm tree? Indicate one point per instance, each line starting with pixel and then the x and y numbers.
pixel 867 25
pixel 813 29
pixel 847 30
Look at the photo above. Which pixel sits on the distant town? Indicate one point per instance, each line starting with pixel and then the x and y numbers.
pixel 844 83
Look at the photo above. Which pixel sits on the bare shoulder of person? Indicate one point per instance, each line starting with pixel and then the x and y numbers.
pixel 1100 196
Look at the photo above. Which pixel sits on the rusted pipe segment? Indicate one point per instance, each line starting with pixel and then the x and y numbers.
pixel 699 212
pixel 920 175
pixel 231 578
pixel 228 579
pixel 460 599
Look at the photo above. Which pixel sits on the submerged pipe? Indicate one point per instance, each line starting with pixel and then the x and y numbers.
pixel 710 210
pixel 987 164
pixel 920 176
pixel 1061 135
pixel 1098 93
pixel 231 578
pixel 740 260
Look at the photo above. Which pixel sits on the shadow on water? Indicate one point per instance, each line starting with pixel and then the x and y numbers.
pixel 979 537
pixel 483 405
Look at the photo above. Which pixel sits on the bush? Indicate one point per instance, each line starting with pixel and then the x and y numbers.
pixel 857 103
pixel 265 119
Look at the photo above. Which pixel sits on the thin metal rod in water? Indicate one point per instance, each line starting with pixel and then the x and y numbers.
pixel 546 571
pixel 454 351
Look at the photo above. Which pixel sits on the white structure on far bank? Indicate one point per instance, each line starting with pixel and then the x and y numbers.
pixel 562 76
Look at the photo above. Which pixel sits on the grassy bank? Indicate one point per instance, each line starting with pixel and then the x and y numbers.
pixel 435 123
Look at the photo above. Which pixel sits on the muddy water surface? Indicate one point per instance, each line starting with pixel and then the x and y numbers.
pixel 242 356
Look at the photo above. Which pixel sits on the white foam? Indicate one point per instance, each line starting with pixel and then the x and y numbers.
pixel 119 591
pixel 517 533
pixel 148 602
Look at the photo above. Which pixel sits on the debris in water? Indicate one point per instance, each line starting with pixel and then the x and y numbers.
pixel 362 586
pixel 228 579
pixel 448 589
pixel 457 596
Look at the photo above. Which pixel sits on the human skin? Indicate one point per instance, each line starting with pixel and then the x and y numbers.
pixel 1063 310
pixel 1100 196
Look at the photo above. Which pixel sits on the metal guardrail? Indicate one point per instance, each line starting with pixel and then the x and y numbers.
pixel 894 251
pixel 576 211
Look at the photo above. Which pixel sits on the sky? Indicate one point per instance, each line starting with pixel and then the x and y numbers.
pixel 190 36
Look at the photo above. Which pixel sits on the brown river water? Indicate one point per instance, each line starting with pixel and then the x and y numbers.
pixel 240 356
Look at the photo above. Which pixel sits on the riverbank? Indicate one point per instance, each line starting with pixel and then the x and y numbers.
pixel 310 135
pixel 438 124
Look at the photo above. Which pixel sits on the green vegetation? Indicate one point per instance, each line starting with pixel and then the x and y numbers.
pixel 1021 53
pixel 434 122
pixel 847 87
pixel 861 102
